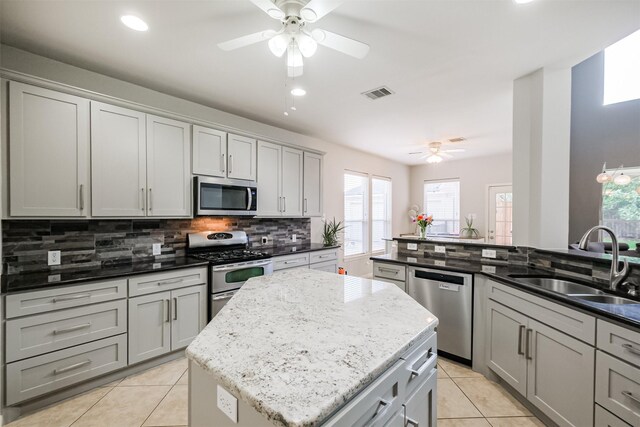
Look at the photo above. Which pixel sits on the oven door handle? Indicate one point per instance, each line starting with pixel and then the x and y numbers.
pixel 250 198
pixel 225 296
pixel 238 267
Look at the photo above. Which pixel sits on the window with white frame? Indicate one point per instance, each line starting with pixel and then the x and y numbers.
pixel 442 200
pixel 356 212
pixel 380 212
pixel 622 70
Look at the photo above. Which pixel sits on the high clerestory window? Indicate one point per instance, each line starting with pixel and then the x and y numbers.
pixel 622 70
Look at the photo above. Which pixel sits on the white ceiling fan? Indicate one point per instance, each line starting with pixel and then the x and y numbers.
pixel 294 37
pixel 436 153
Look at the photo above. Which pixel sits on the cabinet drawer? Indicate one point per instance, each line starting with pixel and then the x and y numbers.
pixel 159 282
pixel 329 266
pixel 323 256
pixel 618 388
pixel 373 406
pixel 289 261
pixel 35 335
pixel 572 322
pixel 389 271
pixel 35 302
pixel 621 342
pixel 43 374
pixel 605 418
pixel 420 364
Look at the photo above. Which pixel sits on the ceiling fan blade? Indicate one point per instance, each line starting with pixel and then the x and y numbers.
pixel 340 43
pixel 417 152
pixel 316 9
pixel 246 40
pixel 270 8
pixel 455 150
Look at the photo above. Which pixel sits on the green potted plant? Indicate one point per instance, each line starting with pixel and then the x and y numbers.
pixel 469 232
pixel 330 232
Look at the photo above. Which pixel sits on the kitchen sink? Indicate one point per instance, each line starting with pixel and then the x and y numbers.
pixel 560 286
pixel 606 299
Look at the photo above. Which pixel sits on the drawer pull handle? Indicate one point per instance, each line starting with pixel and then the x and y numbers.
pixel 71 367
pixel 295 261
pixel 631 396
pixel 528 346
pixel 169 282
pixel 521 329
pixel 430 355
pixel 175 308
pixel 71 297
pixel 71 328
pixel 631 348
pixel 412 422
pixel 390 270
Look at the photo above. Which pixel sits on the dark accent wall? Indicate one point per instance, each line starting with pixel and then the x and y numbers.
pixel 599 134
pixel 94 243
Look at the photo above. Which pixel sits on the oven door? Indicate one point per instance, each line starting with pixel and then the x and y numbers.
pixel 219 300
pixel 224 197
pixel 230 277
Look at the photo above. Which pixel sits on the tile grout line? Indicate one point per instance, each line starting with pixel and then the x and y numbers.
pixel 163 397
pixel 465 395
pixel 89 408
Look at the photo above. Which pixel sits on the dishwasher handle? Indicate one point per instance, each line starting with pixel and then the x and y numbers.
pixel 439 277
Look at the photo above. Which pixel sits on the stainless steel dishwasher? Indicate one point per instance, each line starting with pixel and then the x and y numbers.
pixel 449 296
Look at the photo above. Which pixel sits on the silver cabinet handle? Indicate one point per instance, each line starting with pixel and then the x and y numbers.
pixel 224 296
pixel 142 198
pixel 414 423
pixel 70 367
pixel 81 196
pixel 281 210
pixel 521 329
pixel 430 357
pixel 71 297
pixel 222 156
pixel 249 198
pixel 305 205
pixel 150 199
pixel 230 162
pixel 528 346
pixel 284 204
pixel 631 348
pixel 381 403
pixel 390 270
pixel 166 308
pixel 631 396
pixel 71 328
pixel 169 282
pixel 175 308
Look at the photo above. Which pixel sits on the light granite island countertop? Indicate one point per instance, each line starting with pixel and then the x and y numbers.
pixel 297 345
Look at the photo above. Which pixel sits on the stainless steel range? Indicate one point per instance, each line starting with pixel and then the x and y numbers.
pixel 231 263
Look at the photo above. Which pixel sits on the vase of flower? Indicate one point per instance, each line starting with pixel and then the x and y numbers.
pixel 424 222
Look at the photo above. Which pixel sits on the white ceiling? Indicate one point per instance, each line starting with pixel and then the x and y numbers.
pixel 451 63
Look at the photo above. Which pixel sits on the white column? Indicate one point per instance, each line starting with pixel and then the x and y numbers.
pixel 541 130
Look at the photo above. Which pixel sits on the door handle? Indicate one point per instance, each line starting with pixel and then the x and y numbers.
pixel 142 198
pixel 284 204
pixel 250 198
pixel 279 204
pixel 81 197
pixel 222 156
pixel 150 199
pixel 521 329
pixel 305 205
pixel 230 162
pixel 528 346
pixel 166 309
pixel 412 422
pixel 175 308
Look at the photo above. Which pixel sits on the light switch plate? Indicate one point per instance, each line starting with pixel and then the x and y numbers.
pixel 157 248
pixel 440 263
pixel 228 404
pixel 412 246
pixel 488 253
pixel 412 259
pixel 294 238
pixel 264 240
pixel 441 249
pixel 488 269
pixel 54 257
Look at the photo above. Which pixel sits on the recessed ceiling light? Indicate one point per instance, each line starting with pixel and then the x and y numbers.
pixel 134 23
pixel 522 1
pixel 298 92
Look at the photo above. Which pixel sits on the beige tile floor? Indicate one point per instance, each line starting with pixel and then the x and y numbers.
pixel 158 397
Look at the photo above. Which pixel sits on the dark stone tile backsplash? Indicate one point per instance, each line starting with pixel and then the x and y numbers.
pixel 94 243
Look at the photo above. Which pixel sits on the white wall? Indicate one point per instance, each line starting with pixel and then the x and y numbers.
pixel 475 176
pixel 337 157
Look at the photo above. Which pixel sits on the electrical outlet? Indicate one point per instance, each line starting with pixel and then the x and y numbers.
pixel 488 269
pixel 412 246
pixel 294 238
pixel 264 240
pixel 441 249
pixel 54 257
pixel 157 248
pixel 488 253
pixel 440 263
pixel 228 404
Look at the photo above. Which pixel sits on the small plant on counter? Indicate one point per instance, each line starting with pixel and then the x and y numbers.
pixel 330 232
pixel 423 222
pixel 468 231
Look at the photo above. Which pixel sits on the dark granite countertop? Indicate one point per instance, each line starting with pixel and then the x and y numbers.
pixel 294 249
pixel 628 314
pixel 29 281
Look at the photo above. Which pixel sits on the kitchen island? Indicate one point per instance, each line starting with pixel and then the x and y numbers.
pixel 308 348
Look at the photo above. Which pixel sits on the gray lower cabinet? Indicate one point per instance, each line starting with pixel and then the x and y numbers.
pixel 618 387
pixel 165 321
pixel 390 273
pixel 606 419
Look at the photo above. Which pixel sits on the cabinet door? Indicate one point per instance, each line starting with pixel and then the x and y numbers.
pixel 48 152
pixel 312 202
pixel 241 153
pixel 560 379
pixel 505 345
pixel 269 179
pixel 188 315
pixel 118 161
pixel 420 407
pixel 292 161
pixel 149 326
pixel 209 152
pixel 168 167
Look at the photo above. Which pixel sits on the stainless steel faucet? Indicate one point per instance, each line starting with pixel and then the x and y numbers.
pixel 616 276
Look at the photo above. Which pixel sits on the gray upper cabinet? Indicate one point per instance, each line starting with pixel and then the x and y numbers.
pixel 209 152
pixel 48 152
pixel 269 179
pixel 292 164
pixel 168 167
pixel 312 202
pixel 118 161
pixel 241 157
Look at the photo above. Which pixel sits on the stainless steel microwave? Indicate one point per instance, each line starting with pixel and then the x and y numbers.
pixel 219 196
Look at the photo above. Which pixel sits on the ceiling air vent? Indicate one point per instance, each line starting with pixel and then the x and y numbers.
pixel 378 93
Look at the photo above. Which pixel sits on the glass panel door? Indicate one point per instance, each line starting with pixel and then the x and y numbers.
pixel 500 215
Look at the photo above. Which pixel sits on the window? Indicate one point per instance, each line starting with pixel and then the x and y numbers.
pixel 442 200
pixel 621 207
pixel 622 70
pixel 356 208
pixel 380 212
